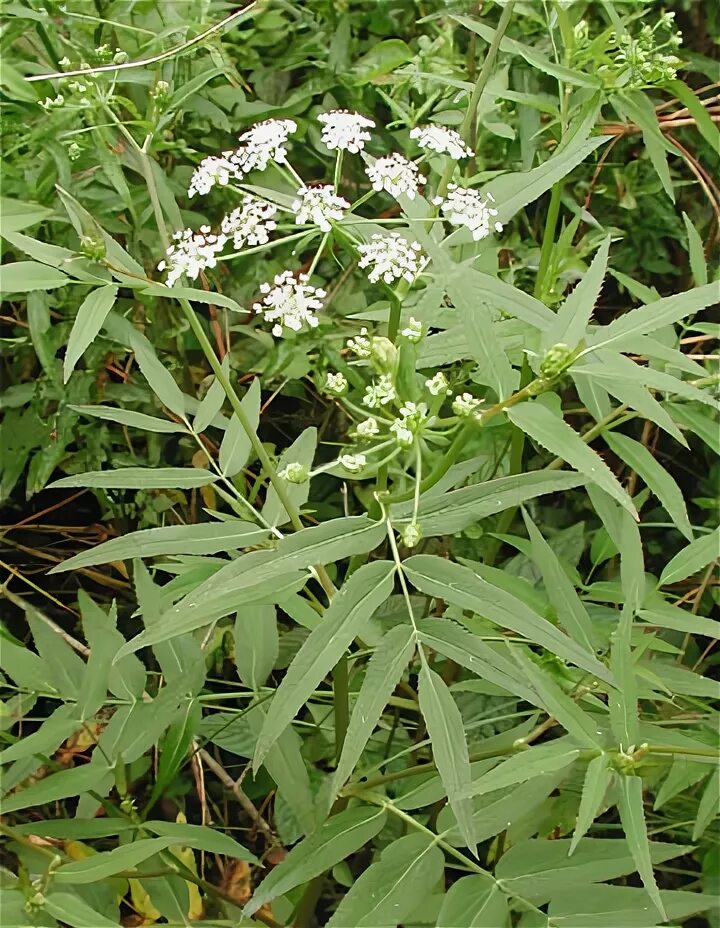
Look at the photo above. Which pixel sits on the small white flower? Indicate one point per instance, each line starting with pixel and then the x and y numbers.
pixel 336 384
pixel 361 346
pixel 211 171
pixel 442 140
pixel 465 405
pixel 379 393
pixel 52 103
pixel 345 131
pixel 262 143
pixel 64 62
pixel 465 207
pixel 294 472
pixel 403 435
pixel 395 174
pixel 391 258
pixel 413 331
pixel 353 462
pixel 438 384
pixel 77 87
pixel 320 206
pixel 251 223
pixel 290 303
pixel 367 429
pixel 415 411
pixel 190 253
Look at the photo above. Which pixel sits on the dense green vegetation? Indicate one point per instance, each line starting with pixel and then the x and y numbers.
pixel 359 463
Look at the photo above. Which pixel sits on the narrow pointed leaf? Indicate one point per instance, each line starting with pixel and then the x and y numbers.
pixel 212 402
pixel 101 866
pixel 381 677
pixel 571 611
pixel 350 609
pixel 709 806
pixel 235 447
pixel 89 320
pixel 474 902
pixel 690 560
pixel 337 839
pixel 461 586
pixel 554 434
pixel 393 887
pixel 72 910
pixel 158 377
pixel 632 816
pixel 645 319
pixel 450 752
pixel 595 785
pixel 574 314
pixel 654 475
pixel 137 420
pixel 534 762
pixel 578 723
pixel 205 538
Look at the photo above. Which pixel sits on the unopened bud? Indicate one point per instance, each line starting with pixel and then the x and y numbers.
pixel 295 472
pixel 555 361
pixel 92 247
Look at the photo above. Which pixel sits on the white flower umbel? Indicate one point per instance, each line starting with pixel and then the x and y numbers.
pixel 443 141
pixel 413 331
pixel 263 143
pixel 345 131
pixel 290 303
pixel 251 223
pixel 319 205
pixel 437 385
pixel 335 384
pixel 368 429
pixel 360 345
pixel 390 258
pixel 410 423
pixel 352 462
pixel 465 405
pixel 395 174
pixel 211 171
pixel 190 253
pixel 465 207
pixel 379 393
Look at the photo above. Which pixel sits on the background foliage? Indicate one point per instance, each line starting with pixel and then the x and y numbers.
pixel 515 721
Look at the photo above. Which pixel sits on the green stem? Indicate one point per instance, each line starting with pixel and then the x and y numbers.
pixel 341 704
pixel 460 440
pixel 548 238
pixel 480 85
pixel 394 319
pixel 257 445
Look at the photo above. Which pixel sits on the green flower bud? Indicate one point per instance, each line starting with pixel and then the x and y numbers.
pixel 383 354
pixel 555 361
pixel 92 248
pixel 295 472
pixel 411 535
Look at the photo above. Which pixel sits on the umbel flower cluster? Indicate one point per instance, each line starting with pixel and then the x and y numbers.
pixel 290 302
